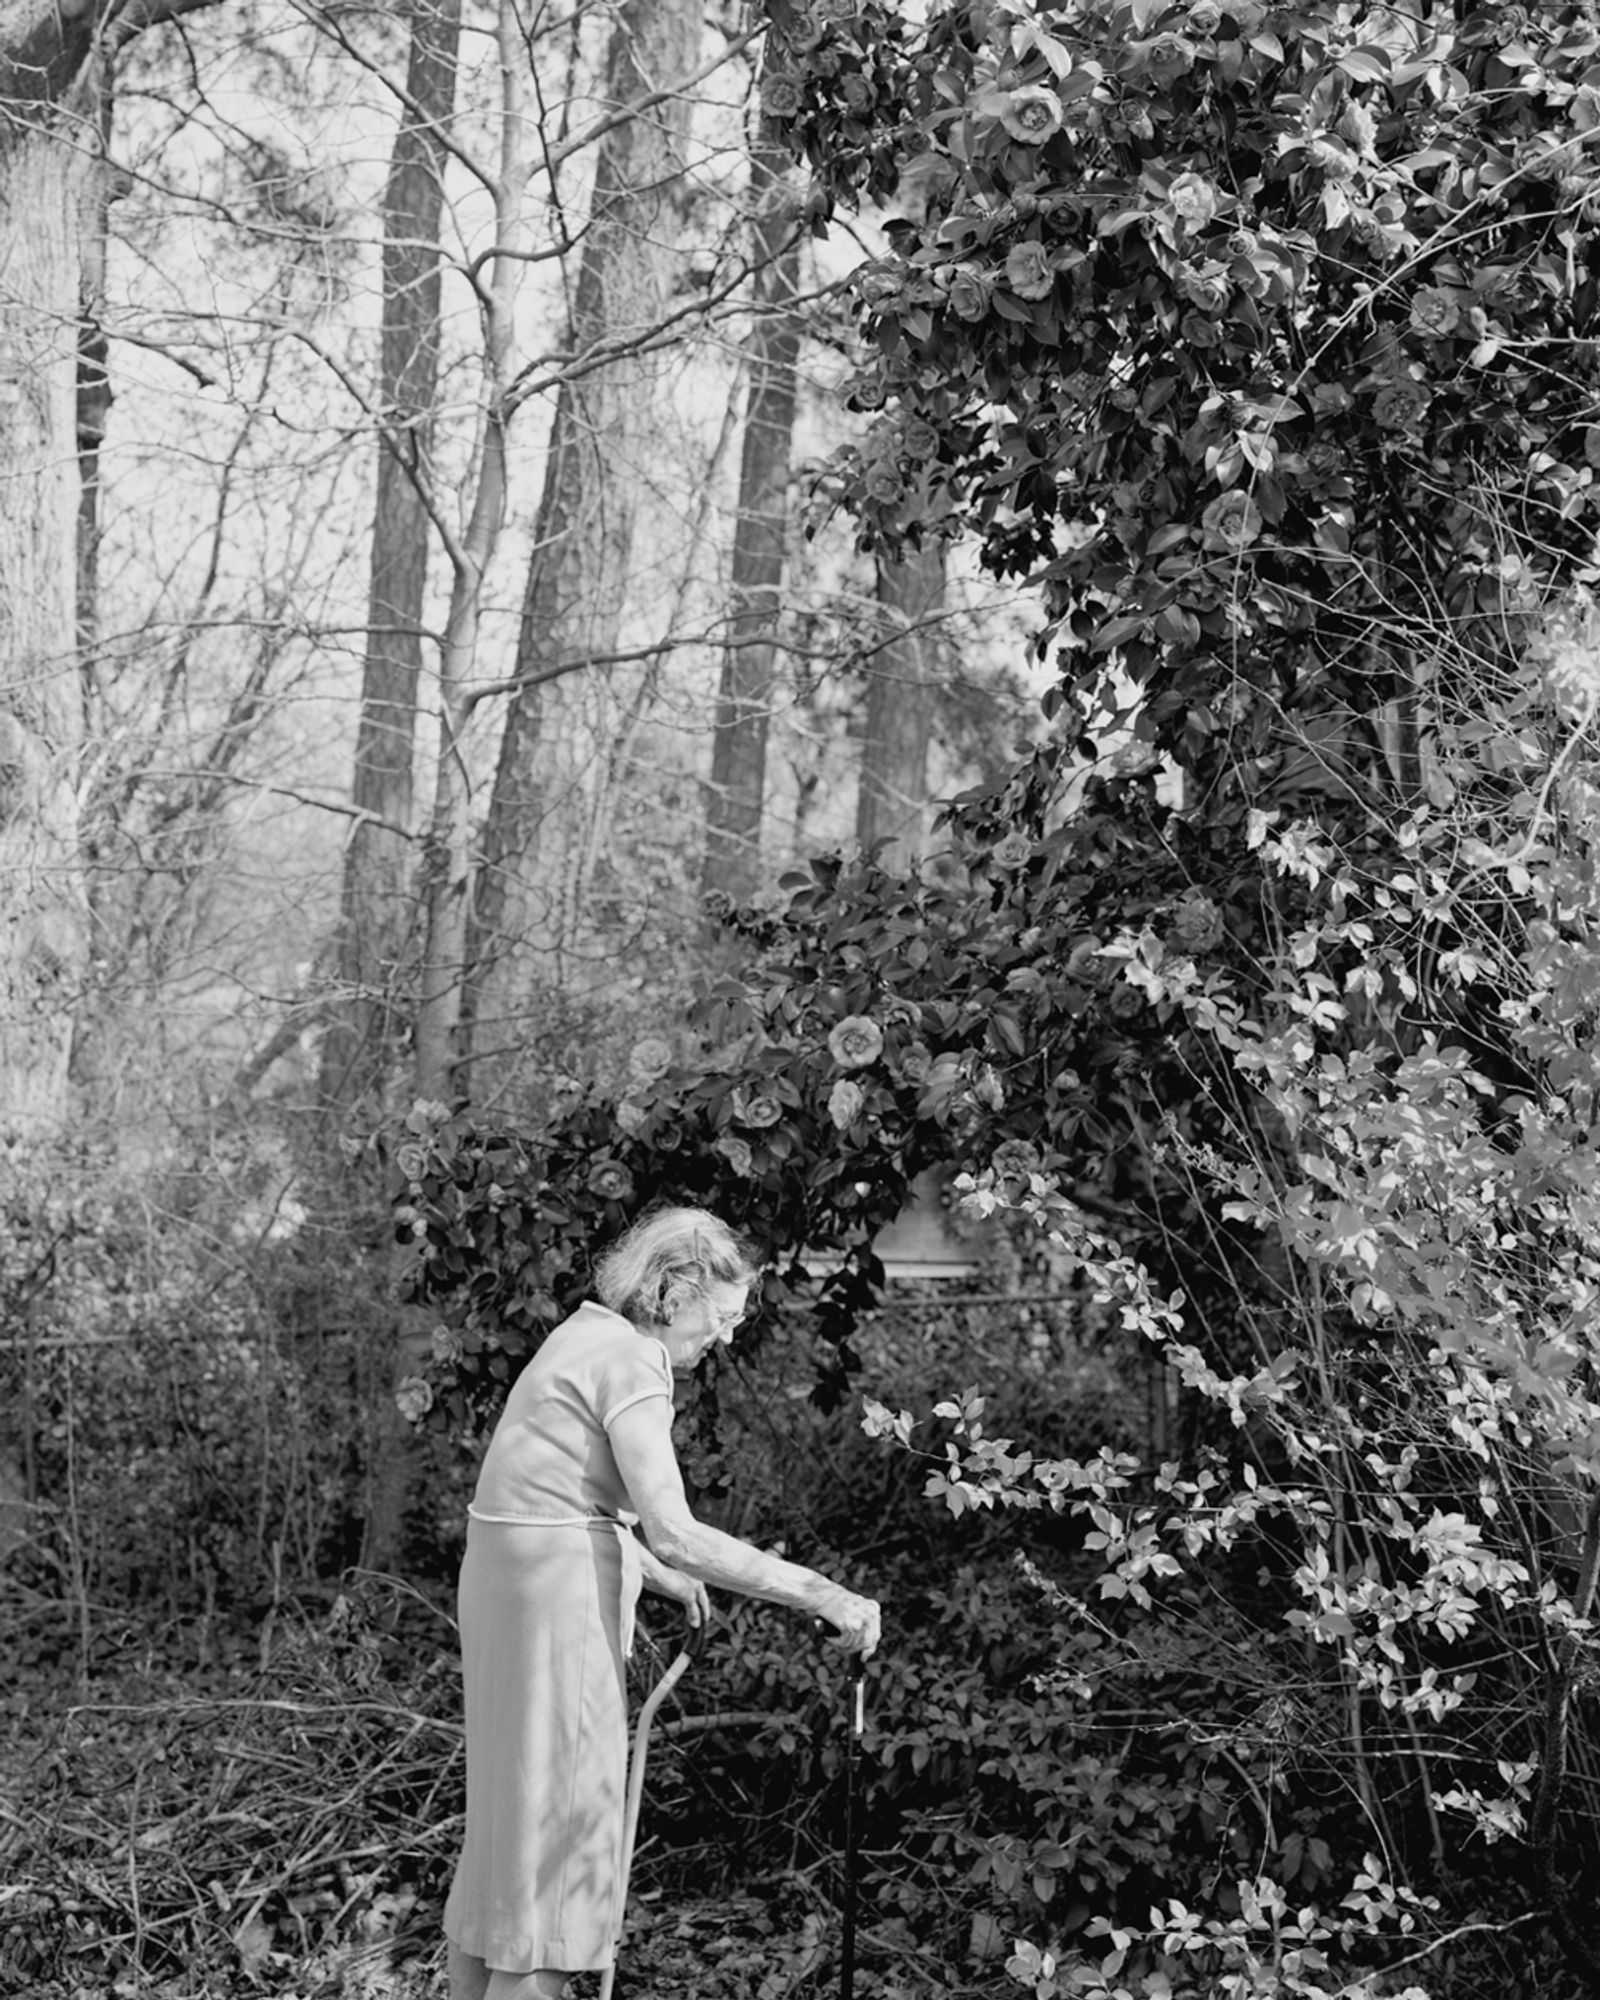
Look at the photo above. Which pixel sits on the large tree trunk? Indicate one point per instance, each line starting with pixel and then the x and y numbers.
pixel 892 803
pixel 749 662
pixel 43 910
pixel 377 919
pixel 539 838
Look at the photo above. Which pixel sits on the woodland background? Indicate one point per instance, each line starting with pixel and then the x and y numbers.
pixel 810 606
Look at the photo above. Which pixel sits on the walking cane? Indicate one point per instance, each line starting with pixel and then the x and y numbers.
pixel 847 1901
pixel 688 1650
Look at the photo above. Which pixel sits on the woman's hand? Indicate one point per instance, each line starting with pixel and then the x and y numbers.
pixel 665 1581
pixel 858 1619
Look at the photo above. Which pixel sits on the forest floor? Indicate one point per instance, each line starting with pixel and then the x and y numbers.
pixel 284 1828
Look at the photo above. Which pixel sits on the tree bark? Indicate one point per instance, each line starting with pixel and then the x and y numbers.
pixel 43 908
pixel 891 804
pixel 548 789
pixel 376 942
pixel 735 796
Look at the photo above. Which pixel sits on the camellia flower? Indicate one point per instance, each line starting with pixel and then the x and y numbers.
pixel 1032 114
pixel 1400 406
pixel 856 1041
pixel 610 1179
pixel 916 1063
pixel 1028 271
pixel 737 1153
pixel 1016 1157
pixel 969 296
pixel 413 1398
pixel 1206 288
pixel 445 1344
pixel 1168 55
pixel 1193 199
pixel 806 35
pixel 919 439
pixel 1197 923
pixel 1014 851
pixel 1333 156
pixel 1591 445
pixel 629 1116
pixel 757 1110
pixel 1584 110
pixel 1205 17
pixel 650 1056
pixel 1232 521
pixel 857 95
pixel 1435 311
pixel 845 1102
pixel 884 484
pixel 1133 760
pixel 876 284
pixel 781 95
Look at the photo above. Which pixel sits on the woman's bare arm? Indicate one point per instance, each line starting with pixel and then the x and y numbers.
pixel 641 1438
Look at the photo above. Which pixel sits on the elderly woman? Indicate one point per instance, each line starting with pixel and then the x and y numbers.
pixel 549 1582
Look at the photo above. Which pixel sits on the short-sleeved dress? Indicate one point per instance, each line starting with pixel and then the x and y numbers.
pixel 548 1587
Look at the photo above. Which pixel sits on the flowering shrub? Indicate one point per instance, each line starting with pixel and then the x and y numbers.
pixel 1418 1431
pixel 1154 261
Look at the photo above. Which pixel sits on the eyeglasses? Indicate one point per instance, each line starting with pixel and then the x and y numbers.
pixel 726 1322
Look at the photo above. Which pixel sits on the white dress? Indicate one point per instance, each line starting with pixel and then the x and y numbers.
pixel 548 1588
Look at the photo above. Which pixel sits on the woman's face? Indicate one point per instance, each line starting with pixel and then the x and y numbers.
pixel 709 1318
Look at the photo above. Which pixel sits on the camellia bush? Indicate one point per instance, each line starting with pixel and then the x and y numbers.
pixel 1258 336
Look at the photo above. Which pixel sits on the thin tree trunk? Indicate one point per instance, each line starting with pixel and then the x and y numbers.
pixel 737 790
pixel 891 805
pixel 93 387
pixel 437 1051
pixel 43 908
pixel 553 754
pixel 378 945
pixel 377 919
pixel 99 189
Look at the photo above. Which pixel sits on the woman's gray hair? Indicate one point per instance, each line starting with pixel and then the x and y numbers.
pixel 667 1258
